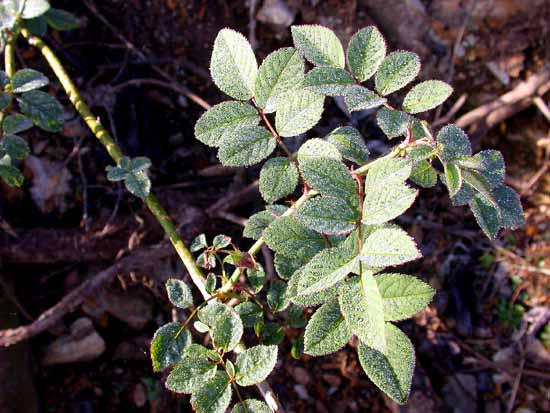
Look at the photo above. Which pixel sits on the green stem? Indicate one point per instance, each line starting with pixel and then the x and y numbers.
pixel 9 55
pixel 116 154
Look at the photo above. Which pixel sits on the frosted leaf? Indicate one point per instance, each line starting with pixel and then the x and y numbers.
pixel 329 81
pixel 328 215
pixel 366 50
pixel 350 143
pixel 389 246
pixel 246 146
pixel 426 95
pixel 360 98
pixel 326 331
pixel 319 45
pixel 278 178
pixel 396 71
pixel 298 111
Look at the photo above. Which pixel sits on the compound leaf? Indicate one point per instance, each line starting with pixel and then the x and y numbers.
pixel 349 142
pixel 224 118
pixel 179 293
pixel 391 371
pixel 278 178
pixel 319 45
pixel 426 95
pixel 280 72
pixel 233 65
pixel 366 50
pixel 298 111
pixel 246 146
pixel 168 347
pixel 403 295
pixel 254 364
pixel 326 331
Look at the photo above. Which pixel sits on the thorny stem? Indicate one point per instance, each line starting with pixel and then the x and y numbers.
pixel 116 154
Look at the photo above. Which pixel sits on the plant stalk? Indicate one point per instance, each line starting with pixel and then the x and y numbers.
pixel 116 154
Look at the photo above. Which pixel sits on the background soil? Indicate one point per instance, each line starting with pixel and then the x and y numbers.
pixel 482 345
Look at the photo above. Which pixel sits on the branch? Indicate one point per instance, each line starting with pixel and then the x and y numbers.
pixel 116 154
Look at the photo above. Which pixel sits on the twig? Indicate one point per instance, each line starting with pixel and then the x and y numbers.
pixel 452 112
pixel 68 303
pixel 490 114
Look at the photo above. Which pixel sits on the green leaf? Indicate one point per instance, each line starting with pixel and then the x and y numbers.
pixel 199 243
pixel 214 396
pixel 328 215
pixel 201 327
pixel 4 79
pixel 15 146
pixel 167 347
pixel 386 171
pixel 278 178
pixel 486 215
pixel 222 119
pixel 251 406
pixel 366 50
pixel 37 26
pixel 221 241
pixel 258 222
pixel 179 293
pixel 360 98
pixel 140 163
pixel 387 247
pixel 115 173
pixel 190 374
pixel 454 143
pixel 11 175
pixel 509 205
pixel 311 300
pixel 319 45
pixel 362 307
pixel 246 146
pixel 280 72
pixel 226 327
pixel 138 184
pixel 277 298
pixel 289 237
pixel 488 163
pixel 44 110
pixel 393 123
pixel 325 269
pixel 453 177
pixel 420 152
pixel 426 95
pixel 272 334
pixel 233 65
pixel 396 71
pixel 350 143
pixel 317 148
pixel 25 80
pixel 298 111
pixel 391 371
pixel 250 313
pixel 254 364
pixel 327 331
pixel 14 124
pixel 403 295
pixel 285 266
pixel 385 202
pixel 61 20
pixel 34 8
pixel 256 277
pixel 478 182
pixel 295 317
pixel 5 101
pixel 198 351
pixel 423 174
pixel 328 81
pixel 297 349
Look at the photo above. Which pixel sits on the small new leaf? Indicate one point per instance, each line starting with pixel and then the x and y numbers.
pixel 233 65
pixel 254 364
pixel 44 110
pixel 179 293
pixel 251 406
pixel 319 45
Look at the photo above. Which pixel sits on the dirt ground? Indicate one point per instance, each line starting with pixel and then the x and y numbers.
pixel 482 345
